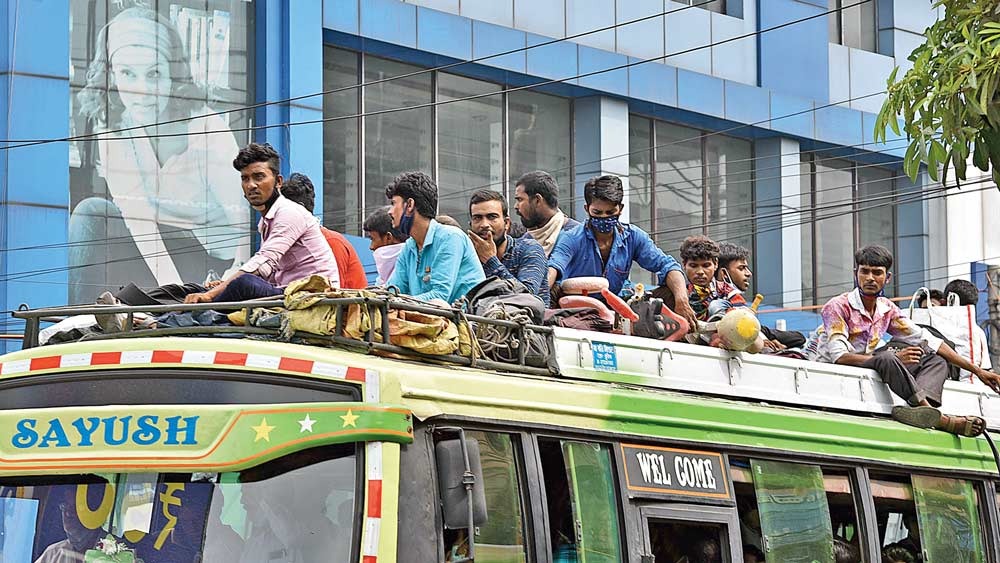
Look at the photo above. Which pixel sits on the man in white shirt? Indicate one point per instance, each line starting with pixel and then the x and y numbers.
pixel 977 350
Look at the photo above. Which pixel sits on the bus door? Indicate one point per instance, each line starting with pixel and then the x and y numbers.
pixel 676 533
pixel 684 503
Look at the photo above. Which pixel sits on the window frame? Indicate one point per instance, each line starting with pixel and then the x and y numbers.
pixel 693 513
pixel 838 21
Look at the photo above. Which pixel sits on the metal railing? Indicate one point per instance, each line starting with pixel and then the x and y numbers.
pixel 374 306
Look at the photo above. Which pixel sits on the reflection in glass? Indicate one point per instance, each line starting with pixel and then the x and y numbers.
pixel 539 139
pixel 501 539
pixel 470 143
pixel 834 228
pixel 805 223
pixel 299 509
pixel 677 197
pixel 592 490
pixel 949 519
pixel 794 515
pixel 399 141
pixel 876 215
pixel 729 169
pixel 341 197
pixel 640 185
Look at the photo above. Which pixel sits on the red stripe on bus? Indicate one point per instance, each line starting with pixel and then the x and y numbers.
pixel 293 364
pixel 105 358
pixel 355 374
pixel 167 357
pixel 369 559
pixel 230 358
pixel 375 498
pixel 48 362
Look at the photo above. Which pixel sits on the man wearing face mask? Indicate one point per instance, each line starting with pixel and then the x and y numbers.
pixel 292 246
pixel 605 247
pixel 502 255
pixel 437 261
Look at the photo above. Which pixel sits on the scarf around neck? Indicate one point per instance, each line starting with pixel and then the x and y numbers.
pixel 547 234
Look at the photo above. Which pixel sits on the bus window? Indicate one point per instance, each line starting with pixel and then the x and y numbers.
pixel 793 512
pixel 948 512
pixel 297 508
pixel 581 501
pixel 898 528
pixel 501 538
pixel 843 515
pixel 685 541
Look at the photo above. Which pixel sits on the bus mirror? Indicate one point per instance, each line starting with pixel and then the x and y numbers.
pixel 460 483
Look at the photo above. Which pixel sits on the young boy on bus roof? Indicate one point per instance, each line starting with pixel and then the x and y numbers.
pixel 437 261
pixel 977 349
pixel 913 365
pixel 707 295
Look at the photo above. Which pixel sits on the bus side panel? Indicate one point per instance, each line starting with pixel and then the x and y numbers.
pixel 418 514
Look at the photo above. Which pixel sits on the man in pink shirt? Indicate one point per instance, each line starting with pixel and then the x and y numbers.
pixel 292 246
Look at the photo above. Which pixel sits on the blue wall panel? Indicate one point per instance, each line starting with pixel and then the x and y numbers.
pixel 747 104
pixel 594 60
pixel 653 82
pixel 542 17
pixel 642 39
pixel 500 12
pixel 700 92
pixel 32 99
pixel 839 125
pixel 390 21
pixel 443 33
pixel 558 60
pixel 37 276
pixel 38 39
pixel 341 15
pixel 783 107
pixel 584 16
pixel 489 39
pixel 794 59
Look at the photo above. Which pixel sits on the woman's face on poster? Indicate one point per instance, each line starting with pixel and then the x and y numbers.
pixel 142 78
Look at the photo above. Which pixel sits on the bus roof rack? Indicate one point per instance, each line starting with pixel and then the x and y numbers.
pixel 370 344
pixel 584 355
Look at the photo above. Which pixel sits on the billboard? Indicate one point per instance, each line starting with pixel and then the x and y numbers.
pixel 154 198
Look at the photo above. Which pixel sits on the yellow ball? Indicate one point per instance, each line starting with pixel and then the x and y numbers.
pixel 739 329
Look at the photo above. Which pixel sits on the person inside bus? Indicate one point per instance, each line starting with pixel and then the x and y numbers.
pixel 606 247
pixel 79 538
pixel 386 242
pixel 438 262
pixel 936 299
pixel 501 254
pixel 292 246
pixel 913 364
pixel 896 554
pixel 299 188
pixel 734 267
pixel 978 349
pixel 536 201
pixel 908 548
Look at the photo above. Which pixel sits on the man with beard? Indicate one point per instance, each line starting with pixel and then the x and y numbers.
pixel 536 201
pixel 437 262
pixel 502 255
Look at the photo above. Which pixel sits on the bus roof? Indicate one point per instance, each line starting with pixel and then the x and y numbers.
pixel 621 385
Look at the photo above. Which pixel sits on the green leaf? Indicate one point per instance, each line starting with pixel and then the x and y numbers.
pixel 980 157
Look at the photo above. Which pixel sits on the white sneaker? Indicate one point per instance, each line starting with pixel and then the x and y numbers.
pixel 111 322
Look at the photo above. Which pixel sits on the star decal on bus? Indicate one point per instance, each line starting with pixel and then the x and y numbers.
pixel 350 419
pixel 263 431
pixel 306 424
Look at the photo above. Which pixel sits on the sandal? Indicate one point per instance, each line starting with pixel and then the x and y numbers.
pixel 970 426
pixel 921 417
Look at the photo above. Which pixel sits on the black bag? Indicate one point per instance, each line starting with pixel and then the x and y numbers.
pixel 508 299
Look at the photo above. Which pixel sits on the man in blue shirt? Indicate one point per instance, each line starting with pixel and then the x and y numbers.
pixel 437 261
pixel 605 247
pixel 501 254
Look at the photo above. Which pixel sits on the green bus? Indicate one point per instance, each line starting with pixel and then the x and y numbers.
pixel 187 444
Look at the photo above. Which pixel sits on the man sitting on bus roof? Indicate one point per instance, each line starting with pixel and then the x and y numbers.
pixel 437 261
pixel 536 201
pixel 292 246
pixel 501 254
pixel 606 247
pixel 299 188
pixel 913 364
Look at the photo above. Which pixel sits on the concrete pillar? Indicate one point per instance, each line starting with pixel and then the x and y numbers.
pixel 290 64
pixel 913 238
pixel 600 145
pixel 778 273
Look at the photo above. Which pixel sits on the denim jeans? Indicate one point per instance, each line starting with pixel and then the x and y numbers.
pixel 246 287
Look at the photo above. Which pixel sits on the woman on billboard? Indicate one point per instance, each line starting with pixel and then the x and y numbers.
pixel 173 212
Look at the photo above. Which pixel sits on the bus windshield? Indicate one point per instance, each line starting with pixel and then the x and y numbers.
pixel 299 508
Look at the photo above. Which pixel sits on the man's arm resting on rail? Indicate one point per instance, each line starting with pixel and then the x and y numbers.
pixel 991 379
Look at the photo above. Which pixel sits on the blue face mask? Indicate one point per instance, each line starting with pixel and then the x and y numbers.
pixel 406 223
pixel 604 224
